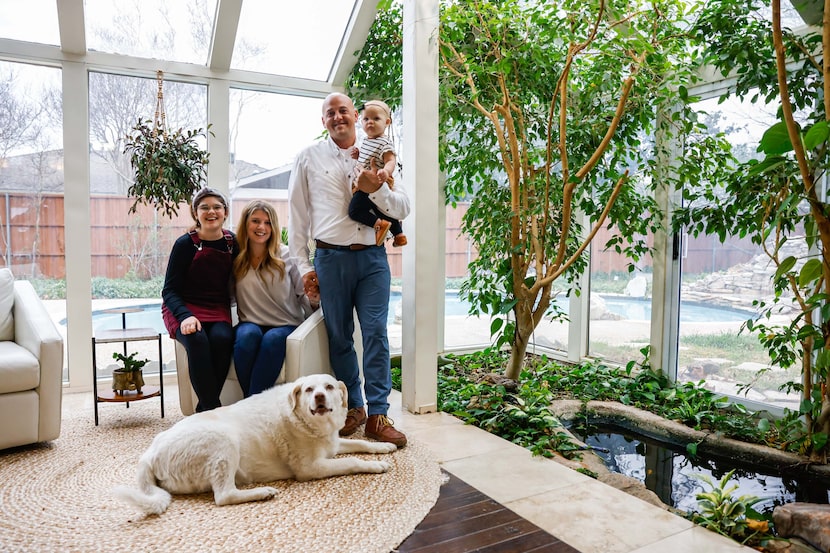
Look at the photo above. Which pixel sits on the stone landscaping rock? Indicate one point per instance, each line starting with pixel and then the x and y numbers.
pixel 788 546
pixel 808 521
pixel 633 487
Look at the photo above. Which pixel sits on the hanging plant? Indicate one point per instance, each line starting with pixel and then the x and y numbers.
pixel 169 166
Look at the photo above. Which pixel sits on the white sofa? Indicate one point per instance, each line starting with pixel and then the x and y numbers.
pixel 31 366
pixel 307 352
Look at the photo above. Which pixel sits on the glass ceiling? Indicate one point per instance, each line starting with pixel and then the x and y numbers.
pixel 303 40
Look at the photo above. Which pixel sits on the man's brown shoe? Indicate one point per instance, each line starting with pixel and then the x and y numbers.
pixel 380 428
pixel 354 418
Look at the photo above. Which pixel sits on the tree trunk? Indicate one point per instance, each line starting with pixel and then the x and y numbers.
pixel 524 330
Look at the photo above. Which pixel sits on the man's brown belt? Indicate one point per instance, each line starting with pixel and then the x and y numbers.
pixel 351 247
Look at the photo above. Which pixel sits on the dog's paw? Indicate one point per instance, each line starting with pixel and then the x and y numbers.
pixel 385 447
pixel 268 492
pixel 378 466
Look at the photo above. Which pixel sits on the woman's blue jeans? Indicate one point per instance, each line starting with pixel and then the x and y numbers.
pixel 258 355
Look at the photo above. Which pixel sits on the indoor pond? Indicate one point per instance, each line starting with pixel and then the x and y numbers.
pixel 669 472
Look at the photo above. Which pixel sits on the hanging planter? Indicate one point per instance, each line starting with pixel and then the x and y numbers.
pixel 129 377
pixel 169 166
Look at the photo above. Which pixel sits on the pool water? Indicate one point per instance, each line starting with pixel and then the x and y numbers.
pixel 636 309
pixel 629 308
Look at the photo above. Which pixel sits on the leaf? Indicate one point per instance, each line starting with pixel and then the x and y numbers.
pixel 810 272
pixel 817 134
pixel 495 325
pixel 776 140
pixel 767 165
pixel 785 266
pixel 691 449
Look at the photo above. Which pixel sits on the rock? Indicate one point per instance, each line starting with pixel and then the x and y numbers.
pixel 598 307
pixel 599 310
pixel 788 546
pixel 499 380
pixel 637 287
pixel 632 486
pixel 808 521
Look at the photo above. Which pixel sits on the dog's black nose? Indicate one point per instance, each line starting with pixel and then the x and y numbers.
pixel 320 398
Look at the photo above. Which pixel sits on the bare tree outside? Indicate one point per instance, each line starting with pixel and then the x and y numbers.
pixel 28 157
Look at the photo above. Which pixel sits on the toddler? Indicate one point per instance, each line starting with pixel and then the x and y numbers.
pixel 376 151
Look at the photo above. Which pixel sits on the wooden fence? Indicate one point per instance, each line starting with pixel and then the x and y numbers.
pixel 33 240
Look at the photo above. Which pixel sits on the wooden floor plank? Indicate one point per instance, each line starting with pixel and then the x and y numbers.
pixel 465 520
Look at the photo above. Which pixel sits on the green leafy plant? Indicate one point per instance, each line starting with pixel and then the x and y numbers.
pixel 131 364
pixel 169 166
pixel 727 515
pixel 777 196
pixel 521 414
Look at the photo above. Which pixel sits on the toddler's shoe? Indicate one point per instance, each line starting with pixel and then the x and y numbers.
pixel 400 240
pixel 381 229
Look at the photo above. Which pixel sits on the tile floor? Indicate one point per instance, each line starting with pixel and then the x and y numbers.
pixel 582 512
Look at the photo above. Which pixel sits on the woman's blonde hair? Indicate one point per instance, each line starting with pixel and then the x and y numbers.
pixel 273 260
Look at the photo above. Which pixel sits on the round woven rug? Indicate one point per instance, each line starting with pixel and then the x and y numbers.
pixel 56 497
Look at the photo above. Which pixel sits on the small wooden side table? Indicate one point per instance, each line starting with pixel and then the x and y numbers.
pixel 126 335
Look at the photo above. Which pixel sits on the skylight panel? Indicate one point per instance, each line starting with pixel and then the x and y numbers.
pixel 32 21
pixel 297 39
pixel 157 29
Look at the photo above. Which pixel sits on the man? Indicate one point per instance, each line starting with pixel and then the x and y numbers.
pixel 350 271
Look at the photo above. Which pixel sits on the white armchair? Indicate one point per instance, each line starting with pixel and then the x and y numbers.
pixel 31 366
pixel 307 352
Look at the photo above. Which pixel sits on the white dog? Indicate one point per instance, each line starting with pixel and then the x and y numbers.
pixel 289 431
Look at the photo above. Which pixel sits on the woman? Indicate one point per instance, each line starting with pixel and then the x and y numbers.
pixel 197 296
pixel 270 300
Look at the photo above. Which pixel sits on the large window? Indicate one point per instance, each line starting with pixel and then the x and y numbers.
pixel 130 250
pixel 720 282
pixel 620 305
pixel 32 239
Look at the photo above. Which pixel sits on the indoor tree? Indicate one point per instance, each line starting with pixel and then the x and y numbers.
pixel 547 111
pixel 779 197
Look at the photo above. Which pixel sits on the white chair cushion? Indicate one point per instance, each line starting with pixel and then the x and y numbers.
pixel 19 370
pixel 6 304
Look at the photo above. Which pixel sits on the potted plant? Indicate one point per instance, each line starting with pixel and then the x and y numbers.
pixel 170 166
pixel 129 377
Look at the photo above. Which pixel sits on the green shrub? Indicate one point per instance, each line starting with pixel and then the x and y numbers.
pixel 103 288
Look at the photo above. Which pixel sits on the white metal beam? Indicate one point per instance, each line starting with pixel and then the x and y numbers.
pixel 423 263
pixel 76 219
pixel 71 26
pixel 224 34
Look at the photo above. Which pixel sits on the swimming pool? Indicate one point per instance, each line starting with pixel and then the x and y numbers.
pixel 636 309
pixel 633 309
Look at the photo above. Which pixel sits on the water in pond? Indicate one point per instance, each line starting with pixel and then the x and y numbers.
pixel 670 473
